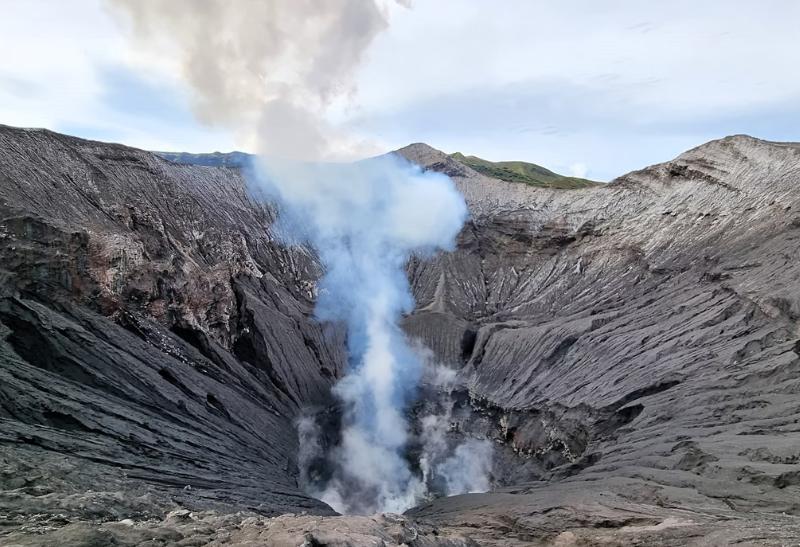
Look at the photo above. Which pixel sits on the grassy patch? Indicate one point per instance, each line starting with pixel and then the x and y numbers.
pixel 520 171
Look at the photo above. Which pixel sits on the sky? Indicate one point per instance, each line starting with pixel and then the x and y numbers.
pixel 584 87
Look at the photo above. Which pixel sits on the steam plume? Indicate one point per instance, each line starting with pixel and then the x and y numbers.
pixel 448 468
pixel 365 219
pixel 269 70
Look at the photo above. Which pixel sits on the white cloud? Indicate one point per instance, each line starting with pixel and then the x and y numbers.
pixel 655 77
pixel 49 50
pixel 578 170
pixel 54 74
pixel 677 55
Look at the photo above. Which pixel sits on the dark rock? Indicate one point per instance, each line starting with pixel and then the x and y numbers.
pixel 658 330
pixel 154 335
pixel 631 349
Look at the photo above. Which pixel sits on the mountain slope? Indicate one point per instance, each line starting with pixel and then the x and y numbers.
pixel 520 171
pixel 638 340
pixel 146 319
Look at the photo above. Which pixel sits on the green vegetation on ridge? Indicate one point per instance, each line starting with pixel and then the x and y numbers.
pixel 520 171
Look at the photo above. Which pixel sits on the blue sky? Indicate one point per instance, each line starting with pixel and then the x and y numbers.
pixel 595 88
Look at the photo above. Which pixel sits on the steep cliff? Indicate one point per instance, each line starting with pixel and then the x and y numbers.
pixel 155 339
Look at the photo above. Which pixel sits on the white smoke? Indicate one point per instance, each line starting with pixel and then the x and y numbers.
pixel 467 470
pixel 309 449
pixel 269 70
pixel 449 468
pixel 266 69
pixel 450 462
pixel 365 220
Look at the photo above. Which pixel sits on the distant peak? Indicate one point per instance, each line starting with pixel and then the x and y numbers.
pixel 418 148
pixel 423 154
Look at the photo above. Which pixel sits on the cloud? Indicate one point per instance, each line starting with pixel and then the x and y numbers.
pixel 653 81
pixel 686 62
pixel 578 170
pixel 557 123
pixel 66 68
pixel 616 85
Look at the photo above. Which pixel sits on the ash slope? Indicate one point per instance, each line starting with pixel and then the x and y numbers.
pixel 156 343
pixel 640 340
pixel 632 348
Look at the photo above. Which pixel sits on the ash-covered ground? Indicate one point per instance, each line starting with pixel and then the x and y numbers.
pixel 630 352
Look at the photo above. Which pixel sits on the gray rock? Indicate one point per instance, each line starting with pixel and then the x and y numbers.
pixel 632 349
pixel 156 342
pixel 650 325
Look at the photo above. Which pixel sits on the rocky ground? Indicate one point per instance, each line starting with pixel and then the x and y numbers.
pixel 631 349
